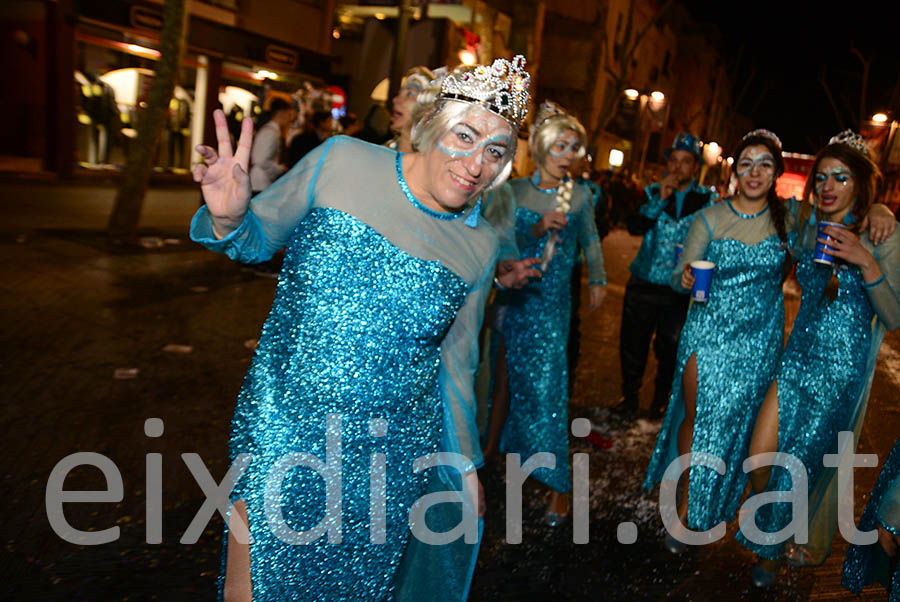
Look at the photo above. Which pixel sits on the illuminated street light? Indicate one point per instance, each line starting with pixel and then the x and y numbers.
pixel 616 157
pixel 879 118
pixel 712 152
pixel 632 94
pixel 467 57
pixel 657 100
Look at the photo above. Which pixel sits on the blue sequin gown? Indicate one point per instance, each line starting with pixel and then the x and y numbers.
pixel 824 378
pixel 737 336
pixel 366 358
pixel 535 331
pixel 865 564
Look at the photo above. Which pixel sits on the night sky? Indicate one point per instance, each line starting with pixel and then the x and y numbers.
pixel 789 43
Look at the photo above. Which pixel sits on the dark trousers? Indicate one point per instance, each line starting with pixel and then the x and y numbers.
pixel 650 308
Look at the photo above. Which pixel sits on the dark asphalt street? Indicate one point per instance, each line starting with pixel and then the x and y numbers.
pixel 177 322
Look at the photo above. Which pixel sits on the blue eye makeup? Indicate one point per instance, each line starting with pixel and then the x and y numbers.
pixel 462 143
pixel 841 176
pixel 763 162
pixel 561 150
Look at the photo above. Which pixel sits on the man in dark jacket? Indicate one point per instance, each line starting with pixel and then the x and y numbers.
pixel 651 306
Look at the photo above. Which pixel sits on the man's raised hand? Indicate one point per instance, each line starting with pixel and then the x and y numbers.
pixel 223 176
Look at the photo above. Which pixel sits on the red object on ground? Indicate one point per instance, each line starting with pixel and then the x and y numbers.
pixel 599 441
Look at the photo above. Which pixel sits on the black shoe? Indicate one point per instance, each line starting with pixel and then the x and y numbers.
pixel 626 408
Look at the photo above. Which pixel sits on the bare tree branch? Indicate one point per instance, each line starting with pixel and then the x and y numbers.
pixel 866 65
pixel 823 81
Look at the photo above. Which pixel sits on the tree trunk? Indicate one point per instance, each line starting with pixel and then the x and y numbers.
pixel 123 223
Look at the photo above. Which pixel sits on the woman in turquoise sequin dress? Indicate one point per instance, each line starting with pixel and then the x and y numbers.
pixel 550 211
pixel 879 561
pixel 729 345
pixel 365 364
pixel 823 379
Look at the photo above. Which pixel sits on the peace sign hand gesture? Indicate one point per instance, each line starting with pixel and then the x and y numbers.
pixel 223 177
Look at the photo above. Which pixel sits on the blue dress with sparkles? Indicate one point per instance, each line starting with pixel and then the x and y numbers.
pixel 865 564
pixel 737 336
pixel 535 331
pixel 364 365
pixel 823 380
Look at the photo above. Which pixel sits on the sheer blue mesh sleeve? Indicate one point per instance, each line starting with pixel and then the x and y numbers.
pixel 589 240
pixel 695 244
pixel 459 363
pixel 272 216
pixel 884 292
pixel 499 209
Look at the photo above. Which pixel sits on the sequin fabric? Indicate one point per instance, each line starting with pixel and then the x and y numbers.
pixel 656 257
pixel 535 331
pixel 354 332
pixel 820 378
pixel 737 337
pixel 865 564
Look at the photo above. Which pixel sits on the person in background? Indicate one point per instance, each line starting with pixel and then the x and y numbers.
pixel 865 564
pixel 553 217
pixel 651 306
pixel 414 83
pixel 321 128
pixel 266 166
pixel 265 156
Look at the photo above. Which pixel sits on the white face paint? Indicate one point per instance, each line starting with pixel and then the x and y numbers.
pixel 755 170
pixel 835 188
pixel 467 158
pixel 562 154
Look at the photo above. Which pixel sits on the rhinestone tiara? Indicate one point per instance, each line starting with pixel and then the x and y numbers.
pixel 547 110
pixel 853 140
pixel 765 134
pixel 501 88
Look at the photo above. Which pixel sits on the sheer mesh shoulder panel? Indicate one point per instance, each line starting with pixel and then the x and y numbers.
pixel 885 295
pixel 698 237
pixel 499 209
pixel 588 237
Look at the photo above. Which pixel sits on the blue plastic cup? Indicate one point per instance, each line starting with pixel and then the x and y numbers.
pixel 678 250
pixel 819 255
pixel 702 271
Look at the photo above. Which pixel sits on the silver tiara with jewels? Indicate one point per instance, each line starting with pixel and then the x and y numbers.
pixel 501 88
pixel 547 110
pixel 765 134
pixel 853 140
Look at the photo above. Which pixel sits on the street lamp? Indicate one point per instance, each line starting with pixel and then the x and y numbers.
pixel 655 101
pixel 616 157
pixel 467 57
pixel 712 152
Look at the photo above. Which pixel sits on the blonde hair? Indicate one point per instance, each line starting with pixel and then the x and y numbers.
pixel 436 119
pixel 549 130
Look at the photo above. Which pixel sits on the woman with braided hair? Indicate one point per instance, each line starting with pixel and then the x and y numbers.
pixel 730 343
pixel 822 382
pixel 552 218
